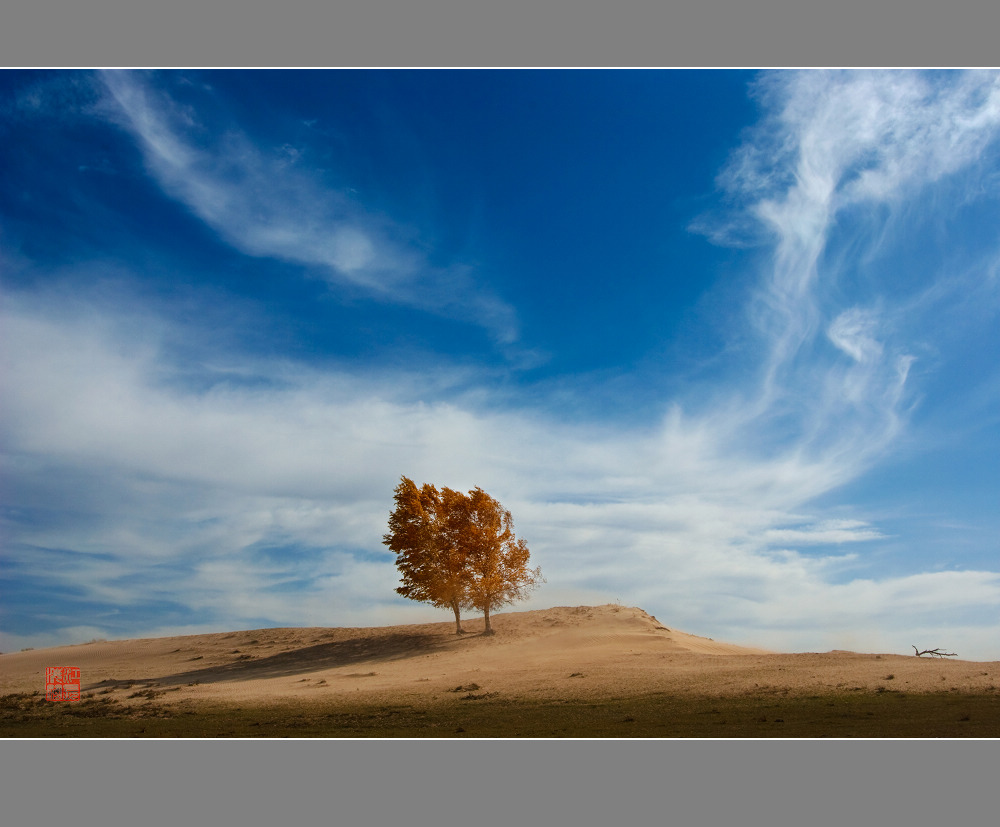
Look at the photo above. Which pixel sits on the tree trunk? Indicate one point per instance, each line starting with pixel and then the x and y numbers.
pixel 486 616
pixel 458 620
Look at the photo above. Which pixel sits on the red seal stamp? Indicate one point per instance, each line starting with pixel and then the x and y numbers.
pixel 62 683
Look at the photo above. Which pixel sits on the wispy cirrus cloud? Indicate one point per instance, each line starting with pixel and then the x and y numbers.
pixel 854 331
pixel 831 148
pixel 266 205
pixel 825 532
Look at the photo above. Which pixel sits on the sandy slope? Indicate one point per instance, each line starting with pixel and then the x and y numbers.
pixel 583 651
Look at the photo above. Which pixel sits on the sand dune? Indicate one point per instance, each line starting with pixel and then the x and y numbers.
pixel 582 651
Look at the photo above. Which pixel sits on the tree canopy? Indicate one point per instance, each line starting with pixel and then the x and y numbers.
pixel 458 550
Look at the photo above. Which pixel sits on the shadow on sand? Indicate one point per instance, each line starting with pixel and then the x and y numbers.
pixel 356 651
pixel 297 662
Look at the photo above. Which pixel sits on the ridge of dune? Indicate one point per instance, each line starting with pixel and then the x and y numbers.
pixel 580 651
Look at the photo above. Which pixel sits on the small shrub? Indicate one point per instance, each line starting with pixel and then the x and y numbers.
pixel 472 697
pixel 148 694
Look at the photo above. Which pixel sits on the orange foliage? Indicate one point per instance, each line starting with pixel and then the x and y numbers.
pixel 459 551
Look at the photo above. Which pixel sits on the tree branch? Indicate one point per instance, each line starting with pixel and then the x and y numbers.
pixel 935 652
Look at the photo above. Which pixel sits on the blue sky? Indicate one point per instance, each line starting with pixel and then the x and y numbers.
pixel 724 342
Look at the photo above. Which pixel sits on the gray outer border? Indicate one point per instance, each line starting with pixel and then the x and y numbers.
pixel 364 33
pixel 499 783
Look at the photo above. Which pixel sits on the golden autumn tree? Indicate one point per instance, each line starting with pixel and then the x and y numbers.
pixel 496 561
pixel 459 551
pixel 432 566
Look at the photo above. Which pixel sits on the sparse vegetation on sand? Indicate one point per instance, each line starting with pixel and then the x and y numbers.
pixel 835 715
pixel 566 672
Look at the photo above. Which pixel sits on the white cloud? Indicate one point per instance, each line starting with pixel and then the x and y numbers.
pixel 830 144
pixel 825 532
pixel 192 483
pixel 854 331
pixel 270 207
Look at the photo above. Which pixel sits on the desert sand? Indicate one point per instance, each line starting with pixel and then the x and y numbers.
pixel 567 652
